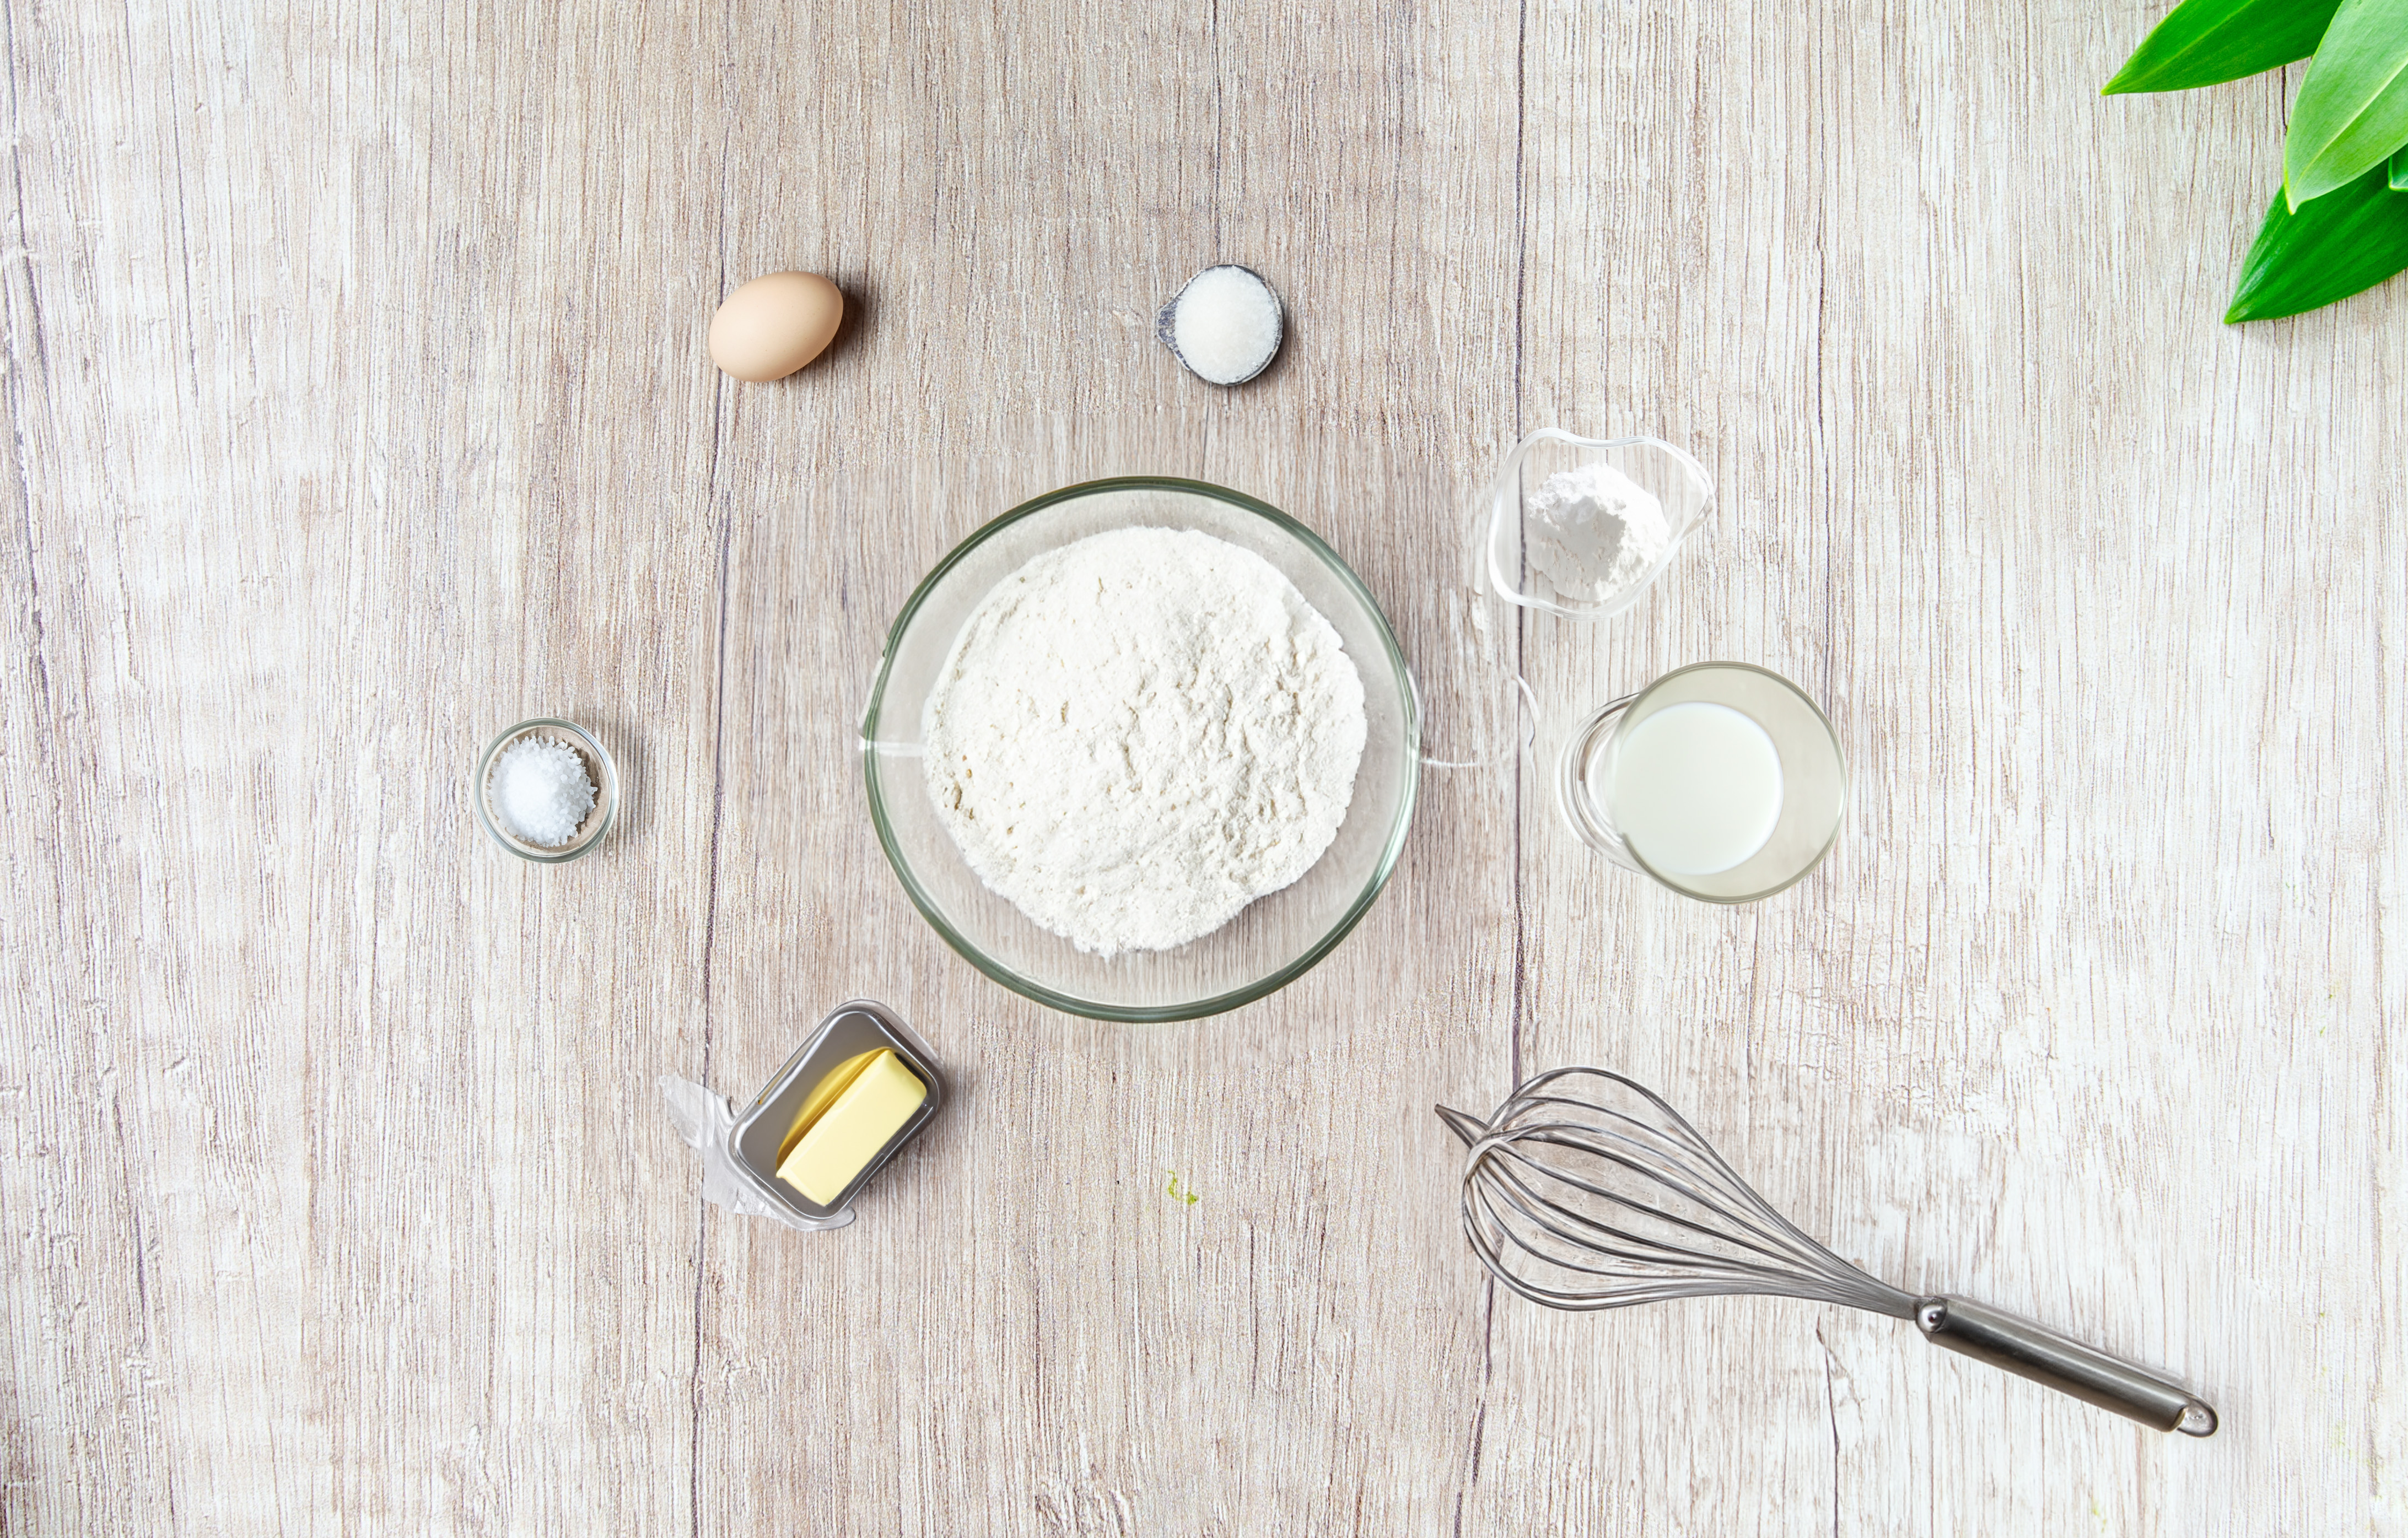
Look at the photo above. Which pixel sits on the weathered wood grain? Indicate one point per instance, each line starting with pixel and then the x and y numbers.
pixel 358 408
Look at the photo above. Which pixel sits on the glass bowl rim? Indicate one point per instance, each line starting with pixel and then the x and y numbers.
pixel 1028 988
pixel 484 771
pixel 1491 513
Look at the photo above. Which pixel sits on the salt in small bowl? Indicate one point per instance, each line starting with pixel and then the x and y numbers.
pixel 599 768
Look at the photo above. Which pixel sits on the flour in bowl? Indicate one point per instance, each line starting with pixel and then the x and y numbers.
pixel 1139 734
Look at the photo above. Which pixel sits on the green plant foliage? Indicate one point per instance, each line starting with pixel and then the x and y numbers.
pixel 2326 249
pixel 2400 169
pixel 2204 42
pixel 2352 107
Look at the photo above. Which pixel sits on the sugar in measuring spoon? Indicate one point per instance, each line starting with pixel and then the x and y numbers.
pixel 1224 325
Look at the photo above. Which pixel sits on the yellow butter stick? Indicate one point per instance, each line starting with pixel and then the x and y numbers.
pixel 823 1095
pixel 863 1117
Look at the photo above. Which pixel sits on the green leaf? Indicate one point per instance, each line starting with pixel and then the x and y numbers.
pixel 2326 249
pixel 2400 169
pixel 2353 107
pixel 2204 42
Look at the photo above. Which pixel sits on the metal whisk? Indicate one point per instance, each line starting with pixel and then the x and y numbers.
pixel 1585 1190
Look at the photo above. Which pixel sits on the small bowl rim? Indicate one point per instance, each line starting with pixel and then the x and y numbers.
pixel 1491 514
pixel 1567 776
pixel 533 854
pixel 1069 1004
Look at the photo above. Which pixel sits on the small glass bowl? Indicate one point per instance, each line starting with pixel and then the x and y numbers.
pixel 1671 477
pixel 599 768
pixel 1814 778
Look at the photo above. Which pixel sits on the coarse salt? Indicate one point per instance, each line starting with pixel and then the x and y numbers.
pixel 539 790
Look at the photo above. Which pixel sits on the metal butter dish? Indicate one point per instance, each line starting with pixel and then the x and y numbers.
pixel 850 1031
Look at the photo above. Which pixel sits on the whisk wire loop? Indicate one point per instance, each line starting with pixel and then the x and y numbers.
pixel 1639 1278
pixel 1594 1232
pixel 1586 1190
pixel 1587 1236
pixel 1677 1137
pixel 1566 1136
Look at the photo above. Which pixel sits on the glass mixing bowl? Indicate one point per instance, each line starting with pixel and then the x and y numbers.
pixel 1277 938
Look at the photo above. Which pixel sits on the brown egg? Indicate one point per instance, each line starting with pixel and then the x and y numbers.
pixel 774 325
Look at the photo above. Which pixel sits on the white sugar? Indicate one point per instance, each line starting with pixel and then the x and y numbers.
pixel 540 792
pixel 1224 325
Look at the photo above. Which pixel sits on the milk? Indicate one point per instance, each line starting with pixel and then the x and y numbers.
pixel 1696 788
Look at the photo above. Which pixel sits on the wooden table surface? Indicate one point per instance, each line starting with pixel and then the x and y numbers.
pixel 356 375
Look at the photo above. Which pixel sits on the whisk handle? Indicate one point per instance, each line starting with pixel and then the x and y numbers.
pixel 2063 1363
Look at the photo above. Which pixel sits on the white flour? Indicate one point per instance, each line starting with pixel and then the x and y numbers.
pixel 1594 531
pixel 1139 734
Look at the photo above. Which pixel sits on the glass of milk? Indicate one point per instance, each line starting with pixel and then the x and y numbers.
pixel 1720 780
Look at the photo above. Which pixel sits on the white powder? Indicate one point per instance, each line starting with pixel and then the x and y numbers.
pixel 539 790
pixel 1139 734
pixel 1594 531
pixel 1225 324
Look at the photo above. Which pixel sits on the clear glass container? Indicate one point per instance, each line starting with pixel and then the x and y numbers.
pixel 1813 778
pixel 1677 481
pixel 599 768
pixel 1276 938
